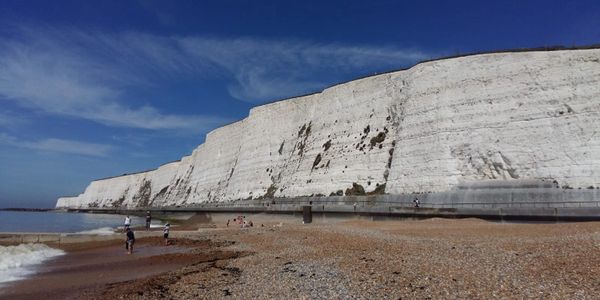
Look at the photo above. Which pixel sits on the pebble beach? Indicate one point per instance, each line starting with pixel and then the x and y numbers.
pixel 280 258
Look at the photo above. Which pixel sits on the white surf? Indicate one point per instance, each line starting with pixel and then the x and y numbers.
pixel 17 262
pixel 99 231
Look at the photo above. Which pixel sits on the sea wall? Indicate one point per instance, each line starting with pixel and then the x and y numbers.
pixel 502 116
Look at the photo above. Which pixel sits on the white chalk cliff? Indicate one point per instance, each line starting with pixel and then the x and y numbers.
pixel 522 115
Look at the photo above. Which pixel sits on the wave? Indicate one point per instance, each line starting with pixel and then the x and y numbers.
pixel 16 262
pixel 99 231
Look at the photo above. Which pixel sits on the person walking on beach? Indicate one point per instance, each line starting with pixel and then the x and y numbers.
pixel 148 220
pixel 129 241
pixel 166 233
pixel 127 223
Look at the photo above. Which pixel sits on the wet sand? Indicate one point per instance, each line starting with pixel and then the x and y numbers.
pixel 89 268
pixel 359 259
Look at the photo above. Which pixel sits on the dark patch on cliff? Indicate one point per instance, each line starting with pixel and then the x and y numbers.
pixel 365 132
pixel 270 192
pixel 117 203
pixel 378 139
pixel 160 195
pixel 281 148
pixel 337 193
pixel 379 190
pixel 142 197
pixel 327 145
pixel 317 161
pixel 389 163
pixel 306 131
pixel 162 191
pixel 356 190
pixel 301 148
pixel 302 130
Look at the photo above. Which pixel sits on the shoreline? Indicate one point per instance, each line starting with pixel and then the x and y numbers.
pixel 335 258
pixel 91 264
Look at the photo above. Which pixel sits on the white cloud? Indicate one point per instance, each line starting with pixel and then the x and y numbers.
pixel 58 145
pixel 266 69
pixel 86 74
pixel 72 74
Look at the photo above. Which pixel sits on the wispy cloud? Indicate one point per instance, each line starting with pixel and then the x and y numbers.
pixel 9 119
pixel 58 145
pixel 86 74
pixel 72 73
pixel 266 69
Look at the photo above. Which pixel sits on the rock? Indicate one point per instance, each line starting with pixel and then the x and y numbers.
pixel 525 115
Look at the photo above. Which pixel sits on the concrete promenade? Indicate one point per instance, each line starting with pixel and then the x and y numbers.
pixel 498 202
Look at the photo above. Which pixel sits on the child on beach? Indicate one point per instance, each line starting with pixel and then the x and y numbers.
pixel 166 233
pixel 130 240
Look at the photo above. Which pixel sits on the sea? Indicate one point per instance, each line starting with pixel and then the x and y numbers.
pixel 53 221
pixel 20 261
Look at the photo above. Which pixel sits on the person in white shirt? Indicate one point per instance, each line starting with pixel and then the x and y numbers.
pixel 127 223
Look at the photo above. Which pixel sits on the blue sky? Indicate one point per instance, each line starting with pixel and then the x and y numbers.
pixel 89 90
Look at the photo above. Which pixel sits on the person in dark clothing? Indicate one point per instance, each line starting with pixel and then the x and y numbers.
pixel 129 241
pixel 166 233
pixel 148 220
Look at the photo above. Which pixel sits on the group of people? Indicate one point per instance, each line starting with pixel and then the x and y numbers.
pixel 130 236
pixel 241 221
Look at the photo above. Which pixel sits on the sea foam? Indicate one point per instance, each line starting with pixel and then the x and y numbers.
pixel 16 262
pixel 99 231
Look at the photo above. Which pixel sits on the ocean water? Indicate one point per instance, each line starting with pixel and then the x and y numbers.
pixel 18 262
pixel 16 221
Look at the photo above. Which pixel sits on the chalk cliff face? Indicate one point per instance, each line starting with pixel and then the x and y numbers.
pixel 526 115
